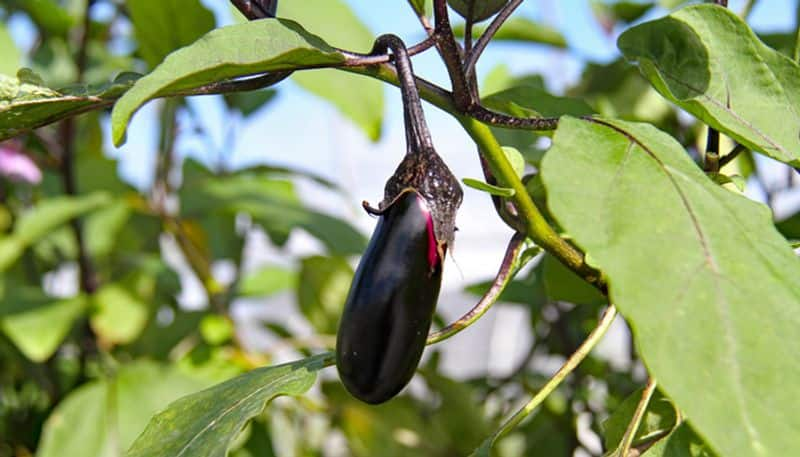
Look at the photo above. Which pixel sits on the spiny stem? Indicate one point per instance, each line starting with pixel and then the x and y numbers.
pixel 574 360
pixel 508 268
pixel 636 420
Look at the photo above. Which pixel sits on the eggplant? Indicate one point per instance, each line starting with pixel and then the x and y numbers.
pixel 388 311
pixel 391 302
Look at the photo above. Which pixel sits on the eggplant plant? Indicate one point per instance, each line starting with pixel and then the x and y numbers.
pixel 654 196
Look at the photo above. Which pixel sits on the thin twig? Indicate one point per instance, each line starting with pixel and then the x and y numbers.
pixel 573 361
pixel 488 34
pixel 451 55
pixel 727 158
pixel 636 420
pixel 508 268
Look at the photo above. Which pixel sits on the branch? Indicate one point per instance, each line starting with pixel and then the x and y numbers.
pixel 508 268
pixel 483 41
pixel 727 158
pixel 537 227
pixel 573 361
pixel 636 420
pixel 451 55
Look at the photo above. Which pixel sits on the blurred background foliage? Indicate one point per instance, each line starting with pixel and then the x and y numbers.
pixel 94 338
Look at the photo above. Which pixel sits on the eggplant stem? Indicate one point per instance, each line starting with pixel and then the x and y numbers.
pixel 508 267
pixel 418 137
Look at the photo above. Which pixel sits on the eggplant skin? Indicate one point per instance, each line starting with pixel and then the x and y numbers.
pixel 388 311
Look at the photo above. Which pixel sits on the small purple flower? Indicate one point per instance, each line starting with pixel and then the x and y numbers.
pixel 17 166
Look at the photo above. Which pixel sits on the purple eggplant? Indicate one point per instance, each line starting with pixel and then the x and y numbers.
pixel 391 302
pixel 393 296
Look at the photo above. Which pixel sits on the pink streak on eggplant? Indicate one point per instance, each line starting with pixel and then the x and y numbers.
pixel 388 312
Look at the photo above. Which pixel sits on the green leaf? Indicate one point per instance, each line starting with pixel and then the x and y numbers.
pixel 322 290
pixel 272 203
pixel 563 284
pixel 708 61
pixel 43 219
pixel 10 57
pixel 204 424
pixel 682 442
pixel 119 316
pixel 660 418
pixel 102 418
pixel 489 188
pixel 267 281
pixel 722 179
pixel 521 29
pixel 216 329
pixel 687 261
pixel 161 26
pixel 26 105
pixel 478 10
pixel 227 52
pixel 358 97
pixel 248 103
pixel 37 323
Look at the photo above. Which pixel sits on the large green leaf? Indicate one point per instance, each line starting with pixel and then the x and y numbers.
pixel 357 97
pixel 42 219
pixel 26 103
pixel 227 52
pixel 708 61
pixel 37 323
pixel 708 285
pixel 205 423
pixel 521 29
pixel 161 26
pixel 102 418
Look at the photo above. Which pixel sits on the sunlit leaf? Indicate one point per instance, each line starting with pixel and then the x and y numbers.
pixel 161 26
pixel 707 60
pixel 706 282
pixel 227 52
pixel 205 423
